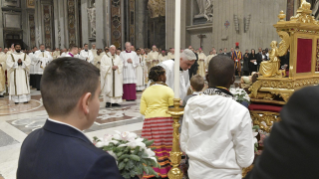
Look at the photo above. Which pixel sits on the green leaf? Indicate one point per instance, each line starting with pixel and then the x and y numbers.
pixel 130 164
pixel 137 149
pixel 145 169
pixel 149 143
pixel 121 165
pixel 135 157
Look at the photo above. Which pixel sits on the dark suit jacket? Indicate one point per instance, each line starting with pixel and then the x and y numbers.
pixel 58 151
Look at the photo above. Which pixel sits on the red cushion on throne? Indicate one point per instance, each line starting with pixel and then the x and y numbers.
pixel 304 55
pixel 264 107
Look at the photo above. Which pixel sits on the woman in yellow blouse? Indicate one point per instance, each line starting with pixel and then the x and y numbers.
pixel 158 124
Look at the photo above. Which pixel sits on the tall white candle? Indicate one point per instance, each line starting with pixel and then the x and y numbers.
pixel 177 45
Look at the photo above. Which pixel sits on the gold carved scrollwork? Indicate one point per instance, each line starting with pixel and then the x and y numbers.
pixel 304 14
pixel 156 8
pixel 254 89
pixel 264 119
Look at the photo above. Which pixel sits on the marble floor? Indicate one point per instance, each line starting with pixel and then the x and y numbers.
pixel 17 121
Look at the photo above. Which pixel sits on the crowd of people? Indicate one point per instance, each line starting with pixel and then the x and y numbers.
pixel 70 86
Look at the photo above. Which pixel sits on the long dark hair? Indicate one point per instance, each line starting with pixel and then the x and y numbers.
pixel 252 55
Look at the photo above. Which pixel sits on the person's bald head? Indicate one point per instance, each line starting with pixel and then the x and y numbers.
pixel 221 72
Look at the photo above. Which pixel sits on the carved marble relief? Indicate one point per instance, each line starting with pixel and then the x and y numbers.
pixel 156 8
pixel 11 3
pixel 92 18
pixel 47 24
pixel 205 8
pixel 71 22
pixel 32 30
pixel 116 25
pixel 30 3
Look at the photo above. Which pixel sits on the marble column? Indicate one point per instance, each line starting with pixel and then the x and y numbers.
pixel 24 21
pixel 1 30
pixel 290 9
pixel 140 23
pixel 38 23
pixel 85 21
pixel 100 21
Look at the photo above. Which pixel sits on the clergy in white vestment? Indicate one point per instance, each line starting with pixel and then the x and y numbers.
pixel 152 57
pixel 18 65
pixel 217 131
pixel 94 50
pixel 64 52
pixel 56 53
pixel 186 61
pixel 87 54
pixel 41 58
pixel 73 53
pixel 171 54
pixel 3 69
pixel 111 78
pixel 201 63
pixel 97 58
pixel 210 57
pixel 140 84
pixel 32 67
pixel 130 62
pixel 162 57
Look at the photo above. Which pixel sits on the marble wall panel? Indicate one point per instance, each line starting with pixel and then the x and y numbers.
pixel 116 23
pixel 32 30
pixel 47 25
pixel 71 22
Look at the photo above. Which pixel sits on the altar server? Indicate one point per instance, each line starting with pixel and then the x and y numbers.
pixel 41 59
pixel 97 58
pixel 18 66
pixel 32 67
pixel 130 62
pixel 87 54
pixel 2 73
pixel 162 57
pixel 187 59
pixel 111 78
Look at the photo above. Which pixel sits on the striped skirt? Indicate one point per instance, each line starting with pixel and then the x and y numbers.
pixel 160 130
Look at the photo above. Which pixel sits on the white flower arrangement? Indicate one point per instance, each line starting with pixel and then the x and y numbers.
pixel 132 153
pixel 240 95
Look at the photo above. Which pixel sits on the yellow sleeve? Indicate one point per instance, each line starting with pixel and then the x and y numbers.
pixel 170 97
pixel 143 105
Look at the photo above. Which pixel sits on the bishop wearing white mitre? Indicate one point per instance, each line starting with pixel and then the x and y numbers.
pixel 111 78
pixel 18 66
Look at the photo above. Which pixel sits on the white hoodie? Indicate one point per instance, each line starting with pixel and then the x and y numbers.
pixel 217 137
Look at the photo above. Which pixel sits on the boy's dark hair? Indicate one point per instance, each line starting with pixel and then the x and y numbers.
pixel 63 83
pixel 155 73
pixel 220 71
pixel 197 83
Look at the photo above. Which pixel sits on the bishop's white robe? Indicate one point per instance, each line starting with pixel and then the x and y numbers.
pixel 19 89
pixel 208 59
pixel 153 58
pixel 168 65
pixel 170 55
pixel 87 55
pixel 162 58
pixel 2 73
pixel 140 85
pixel 56 54
pixel 201 64
pixel 63 54
pixel 129 74
pixel 111 80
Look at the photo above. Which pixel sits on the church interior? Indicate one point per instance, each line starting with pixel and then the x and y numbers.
pixel 205 25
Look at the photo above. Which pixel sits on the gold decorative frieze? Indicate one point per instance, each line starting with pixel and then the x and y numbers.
pixel 264 119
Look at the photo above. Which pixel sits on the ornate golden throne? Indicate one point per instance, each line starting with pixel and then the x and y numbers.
pixel 273 88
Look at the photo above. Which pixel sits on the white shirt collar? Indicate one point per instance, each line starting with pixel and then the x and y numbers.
pixel 63 123
pixel 197 93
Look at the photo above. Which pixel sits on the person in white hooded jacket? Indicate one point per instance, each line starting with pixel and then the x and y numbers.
pixel 217 131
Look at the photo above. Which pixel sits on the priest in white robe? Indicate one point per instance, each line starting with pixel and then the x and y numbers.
pixel 140 85
pixel 41 58
pixel 171 54
pixel 56 54
pixel 18 65
pixel 97 58
pixel 94 50
pixel 186 61
pixel 64 52
pixel 162 57
pixel 111 78
pixel 87 54
pixel 3 69
pixel 201 63
pixel 130 62
pixel 73 53
pixel 152 57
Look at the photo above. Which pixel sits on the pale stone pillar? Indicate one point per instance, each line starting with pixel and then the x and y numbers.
pixel 85 21
pixel 140 23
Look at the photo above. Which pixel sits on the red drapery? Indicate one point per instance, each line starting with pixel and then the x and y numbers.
pixel 304 55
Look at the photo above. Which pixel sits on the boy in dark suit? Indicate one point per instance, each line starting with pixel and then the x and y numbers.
pixel 70 91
